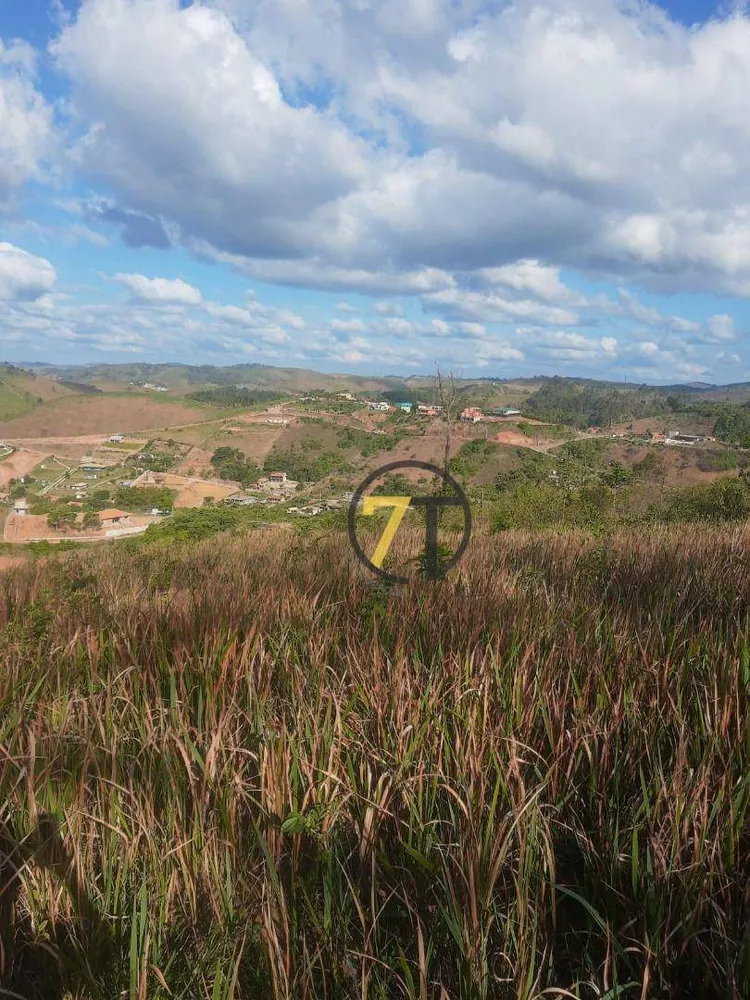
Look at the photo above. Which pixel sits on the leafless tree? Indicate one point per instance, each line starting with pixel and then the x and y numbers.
pixel 448 396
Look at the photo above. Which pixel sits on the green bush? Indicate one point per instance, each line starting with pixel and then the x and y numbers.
pixel 725 499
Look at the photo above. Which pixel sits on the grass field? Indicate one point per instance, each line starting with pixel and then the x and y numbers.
pixel 243 769
pixel 13 401
pixel 104 414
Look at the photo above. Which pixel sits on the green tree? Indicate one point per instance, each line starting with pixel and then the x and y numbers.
pixel 91 520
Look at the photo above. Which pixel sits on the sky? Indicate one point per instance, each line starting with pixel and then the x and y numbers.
pixel 500 189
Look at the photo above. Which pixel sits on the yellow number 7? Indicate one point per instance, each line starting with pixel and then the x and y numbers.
pixel 369 506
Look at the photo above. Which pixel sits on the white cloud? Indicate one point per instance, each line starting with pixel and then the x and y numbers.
pixel 648 348
pixel 721 327
pixel 26 121
pixel 347 325
pixel 546 134
pixel 160 290
pixel 493 308
pixel 22 275
pixel 532 277
pixel 189 123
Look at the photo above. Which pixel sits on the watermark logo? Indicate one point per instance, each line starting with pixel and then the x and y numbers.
pixel 453 496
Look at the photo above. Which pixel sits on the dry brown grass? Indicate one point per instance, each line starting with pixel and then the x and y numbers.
pixel 78 415
pixel 277 779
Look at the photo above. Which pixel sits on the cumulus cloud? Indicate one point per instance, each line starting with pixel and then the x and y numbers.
pixel 495 308
pixel 513 141
pixel 191 124
pixel 471 156
pixel 721 327
pixel 160 290
pixel 26 120
pixel 22 275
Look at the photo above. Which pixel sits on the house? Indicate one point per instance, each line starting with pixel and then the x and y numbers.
pixel 428 410
pixel 20 506
pixel 116 438
pixel 345 395
pixel 379 405
pixel 277 477
pixel 677 437
pixel 471 414
pixel 113 516
pixel 406 407
pixel 277 420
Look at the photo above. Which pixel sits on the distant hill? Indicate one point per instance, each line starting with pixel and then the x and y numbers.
pixel 492 390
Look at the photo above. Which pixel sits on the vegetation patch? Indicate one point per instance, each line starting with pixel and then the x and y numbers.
pixel 243 768
pixel 236 397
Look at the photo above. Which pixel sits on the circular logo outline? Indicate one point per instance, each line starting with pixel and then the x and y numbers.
pixel 410 463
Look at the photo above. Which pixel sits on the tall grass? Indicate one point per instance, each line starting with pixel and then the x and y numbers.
pixel 245 769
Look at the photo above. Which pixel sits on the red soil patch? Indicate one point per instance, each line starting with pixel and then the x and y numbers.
pixel 511 437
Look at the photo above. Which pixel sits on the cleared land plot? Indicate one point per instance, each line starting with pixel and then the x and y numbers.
pixel 34 527
pixel 83 415
pixel 20 463
pixel 190 492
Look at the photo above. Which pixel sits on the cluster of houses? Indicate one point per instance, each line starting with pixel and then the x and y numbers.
pixel 471 414
pixel 150 385
pixel 273 488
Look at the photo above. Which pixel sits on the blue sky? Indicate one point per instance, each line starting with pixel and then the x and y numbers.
pixel 556 186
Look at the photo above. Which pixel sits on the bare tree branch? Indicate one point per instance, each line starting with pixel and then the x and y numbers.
pixel 448 396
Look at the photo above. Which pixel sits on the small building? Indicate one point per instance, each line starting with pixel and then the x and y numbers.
pixel 345 395
pixel 20 506
pixel 503 411
pixel 116 438
pixel 406 407
pixel 428 410
pixel 112 516
pixel 379 405
pixel 471 415
pixel 677 437
pixel 277 477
